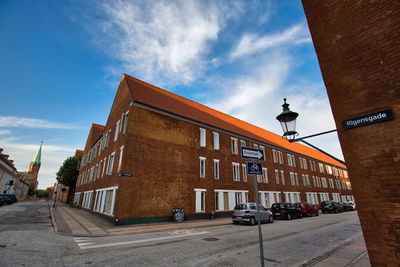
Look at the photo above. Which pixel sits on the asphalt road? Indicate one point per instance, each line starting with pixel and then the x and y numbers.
pixel 27 239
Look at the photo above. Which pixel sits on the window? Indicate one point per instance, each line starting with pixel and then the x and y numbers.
pixel 304 179
pixel 292 178
pixel 216 141
pixel 345 174
pixel 255 145
pixel 202 137
pixel 216 200
pixel 116 130
pixel 259 178
pixel 202 167
pixel 289 157
pixel 234 145
pixel 125 122
pixel 242 143
pixel 275 155
pixel 277 176
pixel 283 177
pixel 329 169
pixel 301 162
pixel 308 180
pixel 321 167
pixel 338 184
pixel 236 175
pixel 315 184
pixel 200 199
pixel 297 179
pixel 294 161
pixel 311 166
pixel 99 173
pixel 324 183
pixel 265 175
pixel 216 169
pixel 120 158
pixel 110 163
pixel 104 167
pixel 331 183
pixel 305 164
pixel 238 197
pixel 244 169
pixel 263 149
pixel 280 157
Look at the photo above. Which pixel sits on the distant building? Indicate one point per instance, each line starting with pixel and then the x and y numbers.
pixel 10 180
pixel 32 175
pixel 160 151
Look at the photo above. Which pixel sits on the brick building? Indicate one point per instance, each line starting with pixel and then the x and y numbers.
pixel 160 151
pixel 357 44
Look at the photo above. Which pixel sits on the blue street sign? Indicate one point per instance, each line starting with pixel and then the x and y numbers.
pixel 252 153
pixel 254 168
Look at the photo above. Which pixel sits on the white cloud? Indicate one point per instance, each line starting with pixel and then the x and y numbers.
pixel 52 158
pixel 13 121
pixel 5 132
pixel 252 43
pixel 162 39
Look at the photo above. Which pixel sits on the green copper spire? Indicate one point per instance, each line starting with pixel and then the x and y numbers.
pixel 36 159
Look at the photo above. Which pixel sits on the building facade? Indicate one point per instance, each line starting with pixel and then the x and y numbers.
pixel 10 180
pixel 357 44
pixel 160 151
pixel 31 176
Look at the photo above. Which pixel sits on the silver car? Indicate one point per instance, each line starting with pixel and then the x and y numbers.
pixel 247 212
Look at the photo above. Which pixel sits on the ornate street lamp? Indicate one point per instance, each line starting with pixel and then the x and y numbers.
pixel 288 122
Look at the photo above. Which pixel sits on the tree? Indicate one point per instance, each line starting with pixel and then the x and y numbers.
pixel 31 190
pixel 68 174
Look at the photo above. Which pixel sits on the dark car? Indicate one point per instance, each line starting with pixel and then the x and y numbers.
pixel 5 201
pixel 338 207
pixel 286 211
pixel 327 207
pixel 307 209
pixel 10 196
pixel 346 206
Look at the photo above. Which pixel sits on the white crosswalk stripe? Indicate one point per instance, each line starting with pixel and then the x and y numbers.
pixel 90 243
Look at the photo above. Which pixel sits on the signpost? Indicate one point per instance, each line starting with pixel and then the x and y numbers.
pixel 255 168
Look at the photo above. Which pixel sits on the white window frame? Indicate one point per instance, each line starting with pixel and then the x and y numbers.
pixel 200 198
pixel 280 154
pixel 275 155
pixel 289 159
pixel 125 122
pixel 236 170
pixel 244 170
pixel 234 143
pixel 277 178
pixel 265 175
pixel 216 140
pixel 203 135
pixel 117 126
pixel 111 163
pixel 283 177
pixel 242 143
pixel 121 149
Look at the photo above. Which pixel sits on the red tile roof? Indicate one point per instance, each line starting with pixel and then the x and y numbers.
pixel 151 95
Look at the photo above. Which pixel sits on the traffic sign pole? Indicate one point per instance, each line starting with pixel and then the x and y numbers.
pixel 259 221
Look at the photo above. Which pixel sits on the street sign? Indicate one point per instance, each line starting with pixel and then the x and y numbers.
pixel 125 174
pixel 379 116
pixel 252 153
pixel 254 168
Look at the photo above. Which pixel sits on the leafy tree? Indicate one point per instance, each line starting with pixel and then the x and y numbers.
pixel 44 193
pixel 31 190
pixel 68 174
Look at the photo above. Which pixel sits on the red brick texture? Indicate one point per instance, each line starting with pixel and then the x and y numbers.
pixel 357 44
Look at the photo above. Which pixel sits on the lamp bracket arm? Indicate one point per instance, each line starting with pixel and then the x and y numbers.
pixel 320 150
pixel 301 138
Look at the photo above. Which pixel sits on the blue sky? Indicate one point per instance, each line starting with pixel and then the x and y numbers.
pixel 61 63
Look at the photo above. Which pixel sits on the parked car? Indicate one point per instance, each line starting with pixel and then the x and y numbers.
pixel 5 201
pixel 247 212
pixel 352 204
pixel 10 196
pixel 286 211
pixel 307 209
pixel 327 207
pixel 338 207
pixel 346 206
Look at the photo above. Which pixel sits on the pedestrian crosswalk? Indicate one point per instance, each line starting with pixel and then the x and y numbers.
pixel 100 242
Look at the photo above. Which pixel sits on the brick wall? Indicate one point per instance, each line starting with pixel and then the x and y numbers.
pixel 357 44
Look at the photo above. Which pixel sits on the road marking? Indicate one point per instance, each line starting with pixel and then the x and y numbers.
pixel 140 241
pixel 84 244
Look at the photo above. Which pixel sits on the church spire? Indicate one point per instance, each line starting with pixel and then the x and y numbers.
pixel 36 159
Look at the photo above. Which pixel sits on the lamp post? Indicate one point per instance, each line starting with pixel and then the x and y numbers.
pixel 288 122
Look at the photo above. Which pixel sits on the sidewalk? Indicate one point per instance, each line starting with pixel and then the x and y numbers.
pixel 80 222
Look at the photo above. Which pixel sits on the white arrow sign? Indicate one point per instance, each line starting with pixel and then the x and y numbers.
pixel 252 153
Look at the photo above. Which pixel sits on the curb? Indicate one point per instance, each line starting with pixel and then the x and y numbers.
pixel 331 252
pixel 53 222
